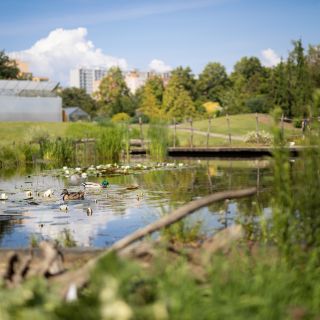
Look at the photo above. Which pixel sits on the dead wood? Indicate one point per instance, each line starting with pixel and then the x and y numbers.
pixel 79 278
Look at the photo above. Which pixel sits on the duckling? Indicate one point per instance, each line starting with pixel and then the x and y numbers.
pixel 3 196
pixel 48 193
pixel 94 185
pixel 64 207
pixel 72 195
pixel 89 211
pixel 29 194
pixel 84 175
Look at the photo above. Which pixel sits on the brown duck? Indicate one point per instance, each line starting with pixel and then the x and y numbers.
pixel 72 195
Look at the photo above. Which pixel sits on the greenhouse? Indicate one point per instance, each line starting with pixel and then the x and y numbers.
pixel 24 100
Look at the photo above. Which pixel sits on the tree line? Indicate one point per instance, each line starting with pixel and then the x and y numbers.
pixel 250 87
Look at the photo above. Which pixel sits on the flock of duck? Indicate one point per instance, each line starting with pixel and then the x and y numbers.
pixel 101 170
pixel 66 195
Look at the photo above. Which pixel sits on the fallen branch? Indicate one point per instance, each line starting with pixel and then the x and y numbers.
pixel 80 277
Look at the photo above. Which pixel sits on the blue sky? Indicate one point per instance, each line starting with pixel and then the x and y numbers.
pixel 189 33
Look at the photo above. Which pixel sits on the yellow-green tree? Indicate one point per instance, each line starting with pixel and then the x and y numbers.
pixel 177 102
pixel 150 105
pixel 113 94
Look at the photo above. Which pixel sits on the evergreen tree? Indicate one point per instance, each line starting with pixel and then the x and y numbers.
pixel 313 60
pixel 299 80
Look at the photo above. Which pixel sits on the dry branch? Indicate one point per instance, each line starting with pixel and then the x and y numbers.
pixel 80 277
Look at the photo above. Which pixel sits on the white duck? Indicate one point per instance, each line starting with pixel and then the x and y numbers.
pixel 48 193
pixel 3 196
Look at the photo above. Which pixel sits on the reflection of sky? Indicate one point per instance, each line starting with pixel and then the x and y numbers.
pixel 116 213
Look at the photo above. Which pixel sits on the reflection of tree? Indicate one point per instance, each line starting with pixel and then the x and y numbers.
pixel 6 227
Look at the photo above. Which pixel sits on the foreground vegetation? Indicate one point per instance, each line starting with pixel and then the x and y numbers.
pixel 272 273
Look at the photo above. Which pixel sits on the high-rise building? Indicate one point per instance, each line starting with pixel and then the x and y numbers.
pixel 86 78
pixel 90 79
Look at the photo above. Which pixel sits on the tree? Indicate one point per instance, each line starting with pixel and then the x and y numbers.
pixel 177 102
pixel 279 92
pixel 212 83
pixel 75 97
pixel 251 85
pixel 113 94
pixel 313 60
pixel 151 98
pixel 8 68
pixel 184 77
pixel 299 81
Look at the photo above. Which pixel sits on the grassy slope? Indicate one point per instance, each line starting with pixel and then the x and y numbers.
pixel 24 131
pixel 241 124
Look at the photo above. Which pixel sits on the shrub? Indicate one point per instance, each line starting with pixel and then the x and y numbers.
pixel 260 137
pixel 120 117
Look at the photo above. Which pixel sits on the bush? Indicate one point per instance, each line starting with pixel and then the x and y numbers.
pixel 260 137
pixel 120 117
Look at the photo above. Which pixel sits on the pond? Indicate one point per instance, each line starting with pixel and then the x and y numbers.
pixel 117 211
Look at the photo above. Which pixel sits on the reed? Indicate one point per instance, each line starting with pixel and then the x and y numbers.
pixel 158 134
pixel 110 142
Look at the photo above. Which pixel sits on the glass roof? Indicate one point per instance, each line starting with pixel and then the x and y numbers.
pixel 15 87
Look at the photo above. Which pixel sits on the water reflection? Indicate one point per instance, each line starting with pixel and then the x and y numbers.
pixel 117 211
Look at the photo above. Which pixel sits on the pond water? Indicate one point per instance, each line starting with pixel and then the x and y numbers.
pixel 118 211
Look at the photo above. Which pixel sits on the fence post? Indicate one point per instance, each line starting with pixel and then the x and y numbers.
pixel 141 133
pixel 229 133
pixel 257 123
pixel 191 136
pixel 209 129
pixel 174 132
pixel 282 126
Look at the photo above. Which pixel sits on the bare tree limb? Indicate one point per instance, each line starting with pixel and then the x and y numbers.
pixel 80 277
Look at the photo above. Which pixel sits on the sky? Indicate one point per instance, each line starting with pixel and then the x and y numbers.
pixel 56 36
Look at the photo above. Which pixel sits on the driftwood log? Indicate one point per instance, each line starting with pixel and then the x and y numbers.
pixel 79 277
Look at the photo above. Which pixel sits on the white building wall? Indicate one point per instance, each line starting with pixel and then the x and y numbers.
pixel 37 109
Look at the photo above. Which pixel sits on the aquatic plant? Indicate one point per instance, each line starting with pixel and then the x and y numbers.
pixel 110 143
pixel 158 134
pixel 183 232
pixel 65 239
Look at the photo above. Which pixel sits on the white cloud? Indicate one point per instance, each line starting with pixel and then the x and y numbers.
pixel 159 66
pixel 62 50
pixel 270 57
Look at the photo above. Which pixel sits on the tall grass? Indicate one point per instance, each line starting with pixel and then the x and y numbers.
pixel 158 134
pixel 110 143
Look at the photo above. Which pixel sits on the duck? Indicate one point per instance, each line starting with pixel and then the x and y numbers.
pixel 3 196
pixel 64 207
pixel 72 195
pixel 48 193
pixel 132 186
pixel 89 211
pixel 29 194
pixel 94 185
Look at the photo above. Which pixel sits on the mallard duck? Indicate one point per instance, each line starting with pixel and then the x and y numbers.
pixel 72 195
pixel 95 185
pixel 132 186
